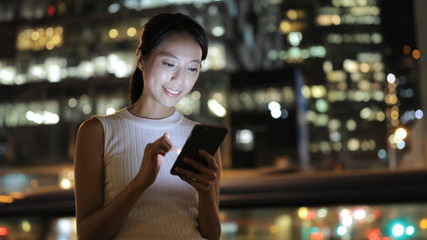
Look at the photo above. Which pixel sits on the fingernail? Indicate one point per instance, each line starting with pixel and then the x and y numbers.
pixel 176 150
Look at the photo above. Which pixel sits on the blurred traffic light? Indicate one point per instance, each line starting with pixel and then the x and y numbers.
pixel 401 229
pixel 51 10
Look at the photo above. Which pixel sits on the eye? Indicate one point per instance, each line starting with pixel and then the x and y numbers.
pixel 168 64
pixel 193 69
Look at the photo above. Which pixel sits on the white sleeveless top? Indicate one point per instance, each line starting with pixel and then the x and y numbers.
pixel 168 209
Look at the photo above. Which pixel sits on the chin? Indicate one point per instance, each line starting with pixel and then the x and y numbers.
pixel 170 104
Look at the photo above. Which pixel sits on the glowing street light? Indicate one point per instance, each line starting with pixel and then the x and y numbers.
pixel 400 134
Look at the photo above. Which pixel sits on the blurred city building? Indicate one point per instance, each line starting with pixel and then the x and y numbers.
pixel 306 87
pixel 302 84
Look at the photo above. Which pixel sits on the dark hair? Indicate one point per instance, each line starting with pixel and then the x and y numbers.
pixel 153 33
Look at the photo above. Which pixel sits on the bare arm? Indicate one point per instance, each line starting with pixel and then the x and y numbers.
pixel 207 185
pixel 94 220
pixel 210 225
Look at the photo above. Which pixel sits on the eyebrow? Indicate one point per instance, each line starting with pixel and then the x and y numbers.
pixel 176 57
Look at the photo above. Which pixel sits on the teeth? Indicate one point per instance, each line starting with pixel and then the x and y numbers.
pixel 171 90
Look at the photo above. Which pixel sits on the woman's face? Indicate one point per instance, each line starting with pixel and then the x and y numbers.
pixel 171 70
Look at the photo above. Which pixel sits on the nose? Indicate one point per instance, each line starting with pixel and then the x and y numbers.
pixel 178 75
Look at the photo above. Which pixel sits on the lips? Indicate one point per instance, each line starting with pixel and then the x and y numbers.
pixel 171 92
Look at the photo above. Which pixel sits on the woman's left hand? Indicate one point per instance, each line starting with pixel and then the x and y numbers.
pixel 204 180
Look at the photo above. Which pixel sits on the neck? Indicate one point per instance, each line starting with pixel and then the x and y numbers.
pixel 144 110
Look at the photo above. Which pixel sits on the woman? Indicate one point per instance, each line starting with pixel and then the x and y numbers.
pixel 123 186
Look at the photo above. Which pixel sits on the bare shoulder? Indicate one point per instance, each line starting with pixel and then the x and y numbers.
pixel 90 135
pixel 92 125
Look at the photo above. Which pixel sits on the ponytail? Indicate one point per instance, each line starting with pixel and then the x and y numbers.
pixel 135 86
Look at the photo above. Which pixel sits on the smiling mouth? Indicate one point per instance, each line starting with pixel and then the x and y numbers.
pixel 171 92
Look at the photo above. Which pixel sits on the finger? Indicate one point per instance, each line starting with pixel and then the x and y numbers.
pixel 210 159
pixel 205 176
pixel 156 148
pixel 176 150
pixel 198 166
pixel 207 172
pixel 167 140
pixel 199 186
pixel 163 143
pixel 165 146
pixel 189 173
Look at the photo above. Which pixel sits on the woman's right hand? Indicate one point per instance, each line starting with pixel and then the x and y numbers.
pixel 152 161
pixel 94 219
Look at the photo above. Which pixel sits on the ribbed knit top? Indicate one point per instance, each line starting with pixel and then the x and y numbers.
pixel 168 209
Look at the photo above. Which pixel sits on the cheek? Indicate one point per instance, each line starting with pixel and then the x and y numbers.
pixel 155 75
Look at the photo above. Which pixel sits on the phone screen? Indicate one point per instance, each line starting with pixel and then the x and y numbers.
pixel 203 136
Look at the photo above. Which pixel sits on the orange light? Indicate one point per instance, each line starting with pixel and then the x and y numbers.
pixel 317 236
pixel 406 49
pixel 311 215
pixel 3 231
pixel 6 199
pixel 423 223
pixel 416 54
pixel 62 7
pixel 274 229
pixel 377 214
pixel 373 234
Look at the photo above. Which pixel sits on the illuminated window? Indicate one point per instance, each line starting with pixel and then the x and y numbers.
pixel 353 144
pixel 113 33
pixel 218 31
pixel 131 32
pixel 351 125
pixel 39 39
pixel 113 8
pixel 216 58
pixel 334 124
pixel 336 76
pixel 245 140
pixel 7 74
pixel 148 4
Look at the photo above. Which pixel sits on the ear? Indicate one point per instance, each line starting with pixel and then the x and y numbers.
pixel 139 59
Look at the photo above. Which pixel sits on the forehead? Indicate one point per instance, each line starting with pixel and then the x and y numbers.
pixel 180 44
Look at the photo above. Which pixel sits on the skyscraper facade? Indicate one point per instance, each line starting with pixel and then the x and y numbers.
pixel 67 60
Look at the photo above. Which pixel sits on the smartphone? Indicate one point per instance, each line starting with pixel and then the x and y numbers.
pixel 203 136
